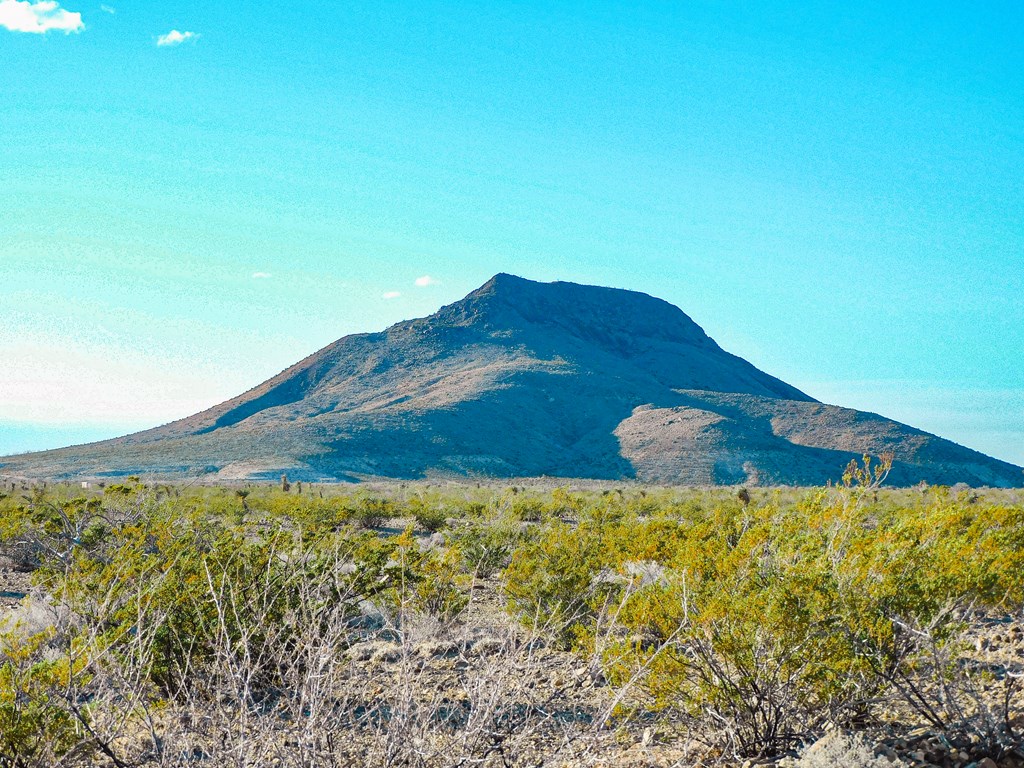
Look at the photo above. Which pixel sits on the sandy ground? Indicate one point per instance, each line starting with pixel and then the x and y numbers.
pixel 13 586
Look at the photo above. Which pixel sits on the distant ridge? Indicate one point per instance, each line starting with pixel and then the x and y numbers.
pixel 519 379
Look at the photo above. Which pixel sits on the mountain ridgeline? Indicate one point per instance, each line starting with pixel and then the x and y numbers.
pixel 522 379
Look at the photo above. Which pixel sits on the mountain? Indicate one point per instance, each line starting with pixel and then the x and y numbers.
pixel 520 379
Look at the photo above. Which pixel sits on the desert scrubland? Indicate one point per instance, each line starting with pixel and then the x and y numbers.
pixel 465 624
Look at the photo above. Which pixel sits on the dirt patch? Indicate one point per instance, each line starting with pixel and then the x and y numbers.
pixel 14 585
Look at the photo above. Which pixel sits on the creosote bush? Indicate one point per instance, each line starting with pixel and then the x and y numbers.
pixel 767 623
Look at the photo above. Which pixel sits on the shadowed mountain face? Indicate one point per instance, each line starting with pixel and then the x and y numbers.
pixel 524 379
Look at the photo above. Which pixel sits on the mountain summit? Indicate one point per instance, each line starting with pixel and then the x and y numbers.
pixel 520 379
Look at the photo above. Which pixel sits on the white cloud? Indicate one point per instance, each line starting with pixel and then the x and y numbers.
pixel 174 37
pixel 260 275
pixel 38 17
pixel 390 295
pixel 423 282
pixel 108 9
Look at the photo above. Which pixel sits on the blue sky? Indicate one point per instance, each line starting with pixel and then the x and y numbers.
pixel 198 195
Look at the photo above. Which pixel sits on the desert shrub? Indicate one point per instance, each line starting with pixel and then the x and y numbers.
pixel 429 517
pixel 422 580
pixel 49 531
pixel 552 582
pixel 278 504
pixel 180 570
pixel 473 509
pixel 736 629
pixel 565 504
pixel 373 512
pixel 320 517
pixel 528 508
pixel 438 592
pixel 766 624
pixel 486 546
pixel 908 584
pixel 37 728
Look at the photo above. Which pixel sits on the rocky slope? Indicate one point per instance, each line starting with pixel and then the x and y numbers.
pixel 524 379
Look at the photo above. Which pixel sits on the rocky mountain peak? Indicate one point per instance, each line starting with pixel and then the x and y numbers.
pixel 604 316
pixel 522 378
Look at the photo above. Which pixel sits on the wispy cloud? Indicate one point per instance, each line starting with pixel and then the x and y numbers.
pixel 423 282
pixel 174 37
pixel 108 9
pixel 39 17
pixel 260 275
pixel 388 295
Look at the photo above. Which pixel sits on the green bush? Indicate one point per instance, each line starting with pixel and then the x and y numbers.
pixel 486 546
pixel 770 622
pixel 37 725
pixel 431 517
